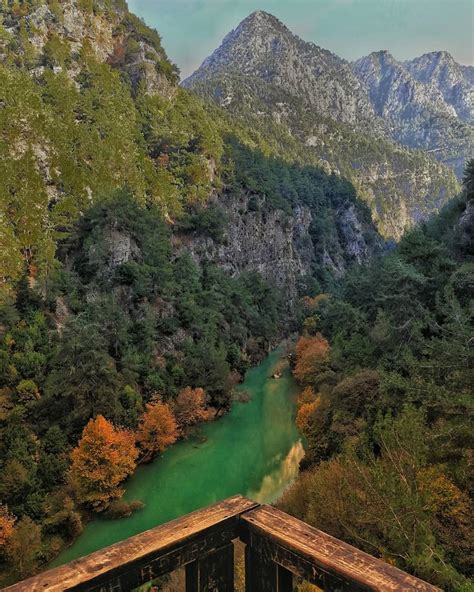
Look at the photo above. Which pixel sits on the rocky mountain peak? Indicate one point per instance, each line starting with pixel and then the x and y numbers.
pixel 440 70
pixel 391 85
pixel 383 56
pixel 262 47
pixel 261 19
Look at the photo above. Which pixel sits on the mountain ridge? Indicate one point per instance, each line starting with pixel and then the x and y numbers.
pixel 264 72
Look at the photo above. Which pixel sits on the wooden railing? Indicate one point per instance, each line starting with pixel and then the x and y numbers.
pixel 277 547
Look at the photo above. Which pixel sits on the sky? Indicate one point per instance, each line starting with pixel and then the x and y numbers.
pixel 192 29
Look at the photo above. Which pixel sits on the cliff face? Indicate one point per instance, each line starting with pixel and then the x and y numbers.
pixel 265 74
pixel 282 247
pixel 261 239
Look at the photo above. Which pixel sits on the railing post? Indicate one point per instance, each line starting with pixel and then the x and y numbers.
pixel 264 575
pixel 213 572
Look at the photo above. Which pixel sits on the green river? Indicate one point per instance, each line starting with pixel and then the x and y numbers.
pixel 253 450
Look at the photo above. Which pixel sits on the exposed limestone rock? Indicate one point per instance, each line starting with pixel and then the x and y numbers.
pixel 143 68
pixel 120 248
pixel 277 245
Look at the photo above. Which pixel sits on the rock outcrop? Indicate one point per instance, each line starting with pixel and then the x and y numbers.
pixel 454 82
pixel 282 247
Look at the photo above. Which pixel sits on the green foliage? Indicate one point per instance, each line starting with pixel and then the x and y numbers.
pixel 207 221
pixel 93 136
pixel 137 318
pixel 393 503
pixel 56 52
pixel 390 433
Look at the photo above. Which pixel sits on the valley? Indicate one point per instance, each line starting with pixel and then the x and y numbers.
pixel 161 237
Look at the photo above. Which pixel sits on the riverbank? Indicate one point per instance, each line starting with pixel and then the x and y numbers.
pixel 254 449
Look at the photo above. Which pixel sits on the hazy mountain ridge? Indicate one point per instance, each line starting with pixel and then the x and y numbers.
pixel 425 102
pixel 453 80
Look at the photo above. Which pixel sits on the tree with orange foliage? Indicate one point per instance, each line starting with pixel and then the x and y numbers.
pixel 190 407
pixel 307 395
pixel 305 415
pixel 312 358
pixel 104 457
pixel 312 304
pixel 157 429
pixel 7 521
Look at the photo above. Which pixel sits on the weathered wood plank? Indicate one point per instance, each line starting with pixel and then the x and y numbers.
pixel 264 575
pixel 321 558
pixel 139 559
pixel 213 572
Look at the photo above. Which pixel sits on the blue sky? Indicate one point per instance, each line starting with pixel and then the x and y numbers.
pixel 192 29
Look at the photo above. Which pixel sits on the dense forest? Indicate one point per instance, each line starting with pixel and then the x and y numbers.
pixel 114 338
pixel 386 409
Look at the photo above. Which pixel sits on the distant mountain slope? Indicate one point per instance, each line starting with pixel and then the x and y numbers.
pixel 265 74
pixel 454 81
pixel 425 102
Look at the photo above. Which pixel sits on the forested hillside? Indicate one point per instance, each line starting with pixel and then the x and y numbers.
pixel 387 411
pixel 150 251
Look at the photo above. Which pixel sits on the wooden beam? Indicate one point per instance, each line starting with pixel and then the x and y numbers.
pixel 213 572
pixel 264 575
pixel 320 558
pixel 148 555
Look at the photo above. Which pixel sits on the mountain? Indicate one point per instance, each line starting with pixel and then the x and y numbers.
pixel 89 113
pixel 425 102
pixel 454 81
pixel 265 74
pixel 262 47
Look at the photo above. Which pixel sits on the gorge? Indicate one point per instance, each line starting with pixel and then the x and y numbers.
pixel 253 450
pixel 158 241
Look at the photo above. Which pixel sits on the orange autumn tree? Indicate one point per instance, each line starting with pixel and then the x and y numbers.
pixel 104 457
pixel 307 402
pixel 307 395
pixel 7 522
pixel 312 358
pixel 305 415
pixel 157 429
pixel 190 407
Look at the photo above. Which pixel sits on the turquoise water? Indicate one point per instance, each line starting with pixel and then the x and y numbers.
pixel 253 450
